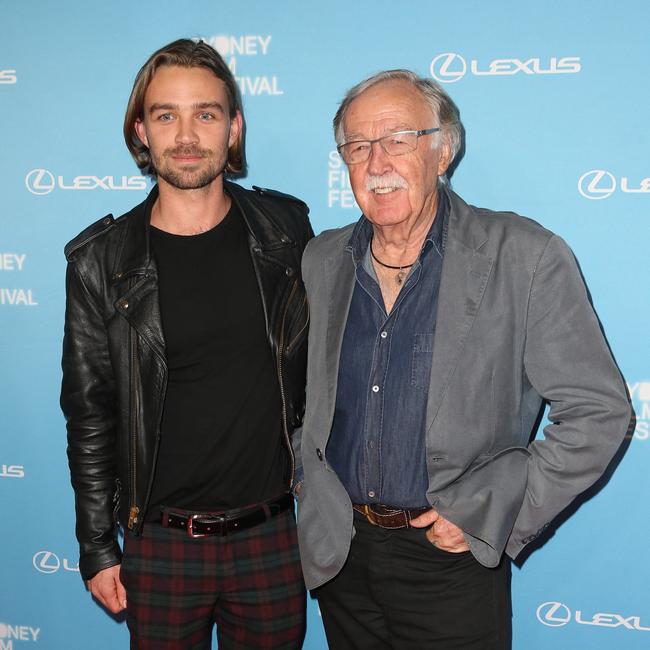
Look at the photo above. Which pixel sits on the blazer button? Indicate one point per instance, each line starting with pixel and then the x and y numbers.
pixel 289 271
pixel 319 453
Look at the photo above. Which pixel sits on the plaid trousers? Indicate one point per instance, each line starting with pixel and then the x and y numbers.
pixel 248 583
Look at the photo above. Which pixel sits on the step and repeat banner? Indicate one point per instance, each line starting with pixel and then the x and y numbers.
pixel 554 98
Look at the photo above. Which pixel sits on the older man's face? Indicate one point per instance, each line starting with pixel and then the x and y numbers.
pixel 395 189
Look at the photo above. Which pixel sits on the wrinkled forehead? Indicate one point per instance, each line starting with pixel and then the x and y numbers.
pixel 395 103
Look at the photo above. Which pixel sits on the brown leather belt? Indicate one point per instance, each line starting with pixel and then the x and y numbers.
pixel 387 517
pixel 224 523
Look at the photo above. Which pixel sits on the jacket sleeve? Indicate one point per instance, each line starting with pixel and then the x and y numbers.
pixel 88 403
pixel 567 361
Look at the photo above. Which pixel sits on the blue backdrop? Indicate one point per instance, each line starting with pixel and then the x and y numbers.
pixel 554 98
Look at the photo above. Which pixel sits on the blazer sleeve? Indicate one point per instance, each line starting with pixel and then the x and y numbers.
pixel 567 361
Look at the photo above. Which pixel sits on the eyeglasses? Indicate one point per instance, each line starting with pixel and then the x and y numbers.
pixel 394 144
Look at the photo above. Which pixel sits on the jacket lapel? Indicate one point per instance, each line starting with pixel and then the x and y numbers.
pixel 465 273
pixel 140 306
pixel 340 277
pixel 268 244
pixel 136 269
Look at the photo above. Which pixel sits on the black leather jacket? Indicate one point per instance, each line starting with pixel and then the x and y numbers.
pixel 114 367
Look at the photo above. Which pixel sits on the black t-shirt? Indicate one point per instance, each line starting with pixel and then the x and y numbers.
pixel 221 441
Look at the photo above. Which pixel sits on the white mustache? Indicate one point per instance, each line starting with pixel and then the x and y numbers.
pixel 386 180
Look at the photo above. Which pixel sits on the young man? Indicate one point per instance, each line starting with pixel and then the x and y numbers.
pixel 183 377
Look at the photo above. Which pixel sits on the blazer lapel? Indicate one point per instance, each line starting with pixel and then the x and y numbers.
pixel 465 273
pixel 340 278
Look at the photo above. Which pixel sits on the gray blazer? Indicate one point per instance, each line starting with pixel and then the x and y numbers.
pixel 514 326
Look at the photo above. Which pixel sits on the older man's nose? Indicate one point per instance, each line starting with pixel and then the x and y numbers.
pixel 379 161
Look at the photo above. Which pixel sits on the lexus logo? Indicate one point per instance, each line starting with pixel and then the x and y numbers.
pixel 448 67
pixel 40 181
pixel 451 67
pixel 46 562
pixel 553 614
pixel 597 184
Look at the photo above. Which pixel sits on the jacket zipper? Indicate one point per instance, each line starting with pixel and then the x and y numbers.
pixel 116 500
pixel 285 428
pixel 156 448
pixel 133 510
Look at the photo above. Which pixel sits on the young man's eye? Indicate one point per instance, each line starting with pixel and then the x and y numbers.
pixel 206 117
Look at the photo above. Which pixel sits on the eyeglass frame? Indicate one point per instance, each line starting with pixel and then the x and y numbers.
pixel 418 133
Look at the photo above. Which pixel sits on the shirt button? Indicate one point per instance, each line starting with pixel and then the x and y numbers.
pixel 384 335
pixel 375 389
pixel 371 494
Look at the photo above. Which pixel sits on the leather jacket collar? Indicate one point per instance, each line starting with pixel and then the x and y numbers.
pixel 134 257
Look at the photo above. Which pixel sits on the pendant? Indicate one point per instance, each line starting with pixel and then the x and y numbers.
pixel 399 278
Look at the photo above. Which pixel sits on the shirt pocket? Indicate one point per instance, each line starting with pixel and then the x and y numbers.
pixel 421 360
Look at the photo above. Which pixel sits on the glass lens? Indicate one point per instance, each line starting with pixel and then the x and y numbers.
pixel 397 144
pixel 355 152
pixel 394 144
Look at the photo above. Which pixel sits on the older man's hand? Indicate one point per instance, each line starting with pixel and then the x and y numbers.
pixel 441 532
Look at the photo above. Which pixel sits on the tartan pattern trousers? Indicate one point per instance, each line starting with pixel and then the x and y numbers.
pixel 249 584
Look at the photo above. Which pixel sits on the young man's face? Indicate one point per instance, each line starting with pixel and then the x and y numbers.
pixel 187 127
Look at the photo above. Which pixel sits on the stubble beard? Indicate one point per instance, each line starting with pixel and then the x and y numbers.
pixel 190 179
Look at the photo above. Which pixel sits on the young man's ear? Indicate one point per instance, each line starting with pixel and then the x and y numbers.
pixel 141 132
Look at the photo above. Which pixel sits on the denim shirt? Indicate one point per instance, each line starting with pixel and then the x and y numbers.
pixel 377 442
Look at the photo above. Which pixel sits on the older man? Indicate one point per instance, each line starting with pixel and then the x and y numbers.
pixel 437 331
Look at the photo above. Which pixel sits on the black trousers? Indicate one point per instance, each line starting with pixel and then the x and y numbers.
pixel 398 591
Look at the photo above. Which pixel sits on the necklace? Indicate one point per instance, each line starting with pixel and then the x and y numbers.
pixel 399 278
